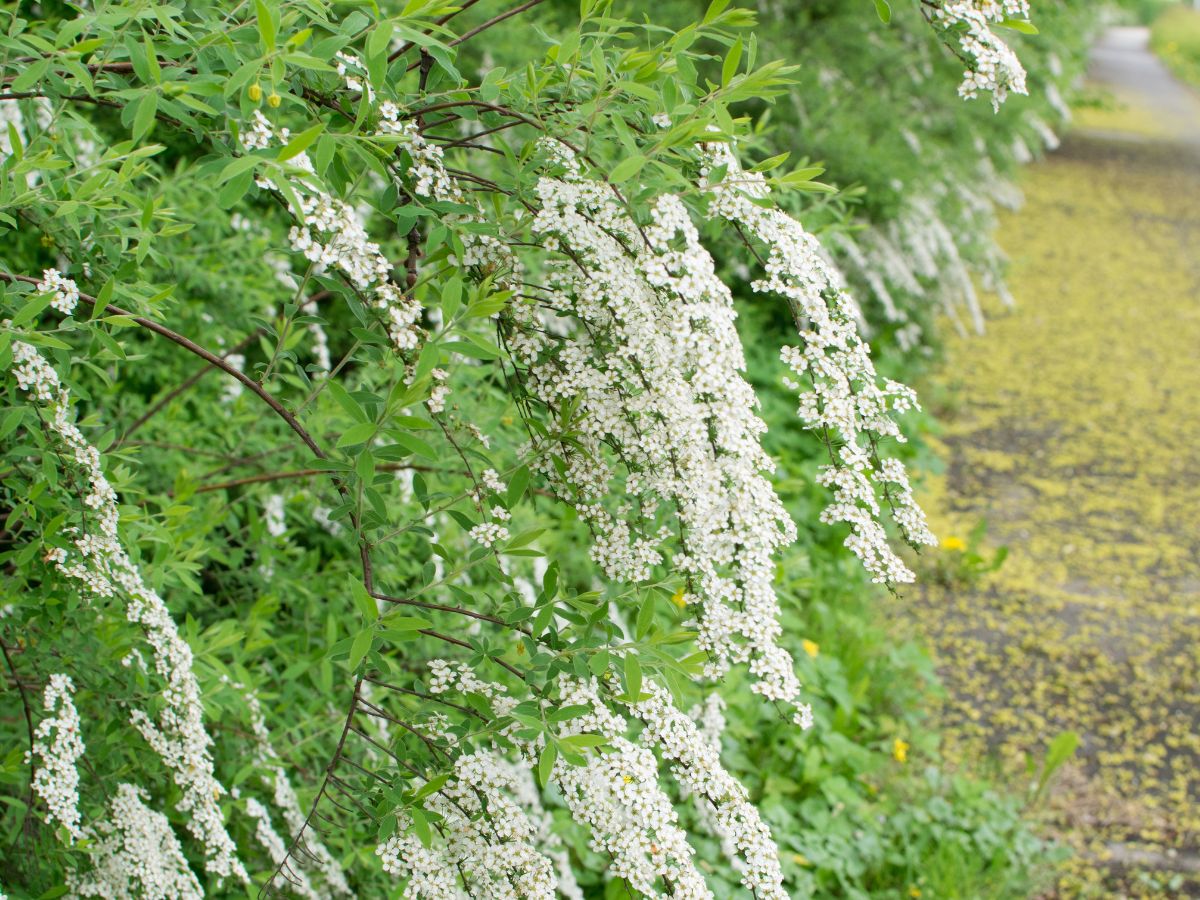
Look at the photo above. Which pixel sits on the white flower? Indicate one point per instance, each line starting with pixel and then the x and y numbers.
pixel 489 533
pixel 135 855
pixel 273 515
pixel 654 372
pixel 696 762
pixel 994 67
pixel 103 567
pixel 842 397
pixel 66 293
pixel 58 746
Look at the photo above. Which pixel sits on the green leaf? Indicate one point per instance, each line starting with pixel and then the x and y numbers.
pixel 598 663
pixel 432 786
pixel 266 25
pixel 715 9
pixel 645 617
pixel 1022 25
pixel 387 827
pixel 884 10
pixel 401 623
pixel 364 601
pixel 524 538
pixel 732 61
pixel 345 401
pixel 31 309
pixel 546 763
pixel 357 434
pixel 362 644
pixel 30 76
pixel 420 826
pixel 566 713
pixel 143 117
pixel 236 167
pixel 626 169
pixel 379 40
pixel 301 142
pixel 1061 749
pixel 582 741
pixel 517 485
pixel 451 298
pixel 633 676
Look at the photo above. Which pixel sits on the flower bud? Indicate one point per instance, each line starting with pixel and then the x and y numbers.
pixel 273 100
pixel 255 92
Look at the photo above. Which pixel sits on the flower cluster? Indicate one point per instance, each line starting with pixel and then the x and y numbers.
pixel 177 734
pixel 696 763
pixel 277 850
pixel 846 401
pixel 274 516
pixel 427 178
pixel 994 67
pixel 135 854
pixel 65 291
pixel 654 369
pixel 276 780
pixel 331 234
pixel 617 794
pixel 487 835
pixel 489 534
pixel 58 745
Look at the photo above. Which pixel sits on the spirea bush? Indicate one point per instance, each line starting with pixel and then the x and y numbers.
pixel 385 496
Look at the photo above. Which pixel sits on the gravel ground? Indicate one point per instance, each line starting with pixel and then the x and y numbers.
pixel 1073 428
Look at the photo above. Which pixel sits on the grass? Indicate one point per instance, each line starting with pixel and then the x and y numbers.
pixel 1175 37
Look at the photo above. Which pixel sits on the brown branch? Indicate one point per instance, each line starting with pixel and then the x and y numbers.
pixel 28 724
pixel 442 607
pixel 207 355
pixel 171 395
pixel 308 473
pixel 408 45
pixel 495 20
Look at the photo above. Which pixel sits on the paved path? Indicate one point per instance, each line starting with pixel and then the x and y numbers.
pixel 1075 432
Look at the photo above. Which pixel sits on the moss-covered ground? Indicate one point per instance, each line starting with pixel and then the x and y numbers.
pixel 1073 429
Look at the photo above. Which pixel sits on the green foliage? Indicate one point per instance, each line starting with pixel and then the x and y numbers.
pixel 310 525
pixel 1175 36
pixel 962 563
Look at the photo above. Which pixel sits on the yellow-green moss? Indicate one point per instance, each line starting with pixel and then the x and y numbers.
pixel 1075 432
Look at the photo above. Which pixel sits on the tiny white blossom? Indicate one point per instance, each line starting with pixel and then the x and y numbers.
pixel 58 746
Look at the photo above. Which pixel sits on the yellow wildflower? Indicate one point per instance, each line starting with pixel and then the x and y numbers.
pixel 914 891
pixel 677 599
pixel 812 648
pixel 899 750
pixel 800 859
pixel 954 543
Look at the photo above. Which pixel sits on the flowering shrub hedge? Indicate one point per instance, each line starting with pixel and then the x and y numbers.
pixel 385 491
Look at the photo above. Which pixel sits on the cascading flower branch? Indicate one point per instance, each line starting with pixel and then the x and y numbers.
pixel 654 368
pixel 136 854
pixel 58 745
pixel 177 733
pixel 572 315
pixel 992 64
pixel 846 402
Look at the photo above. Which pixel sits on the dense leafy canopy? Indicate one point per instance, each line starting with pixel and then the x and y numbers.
pixel 384 480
